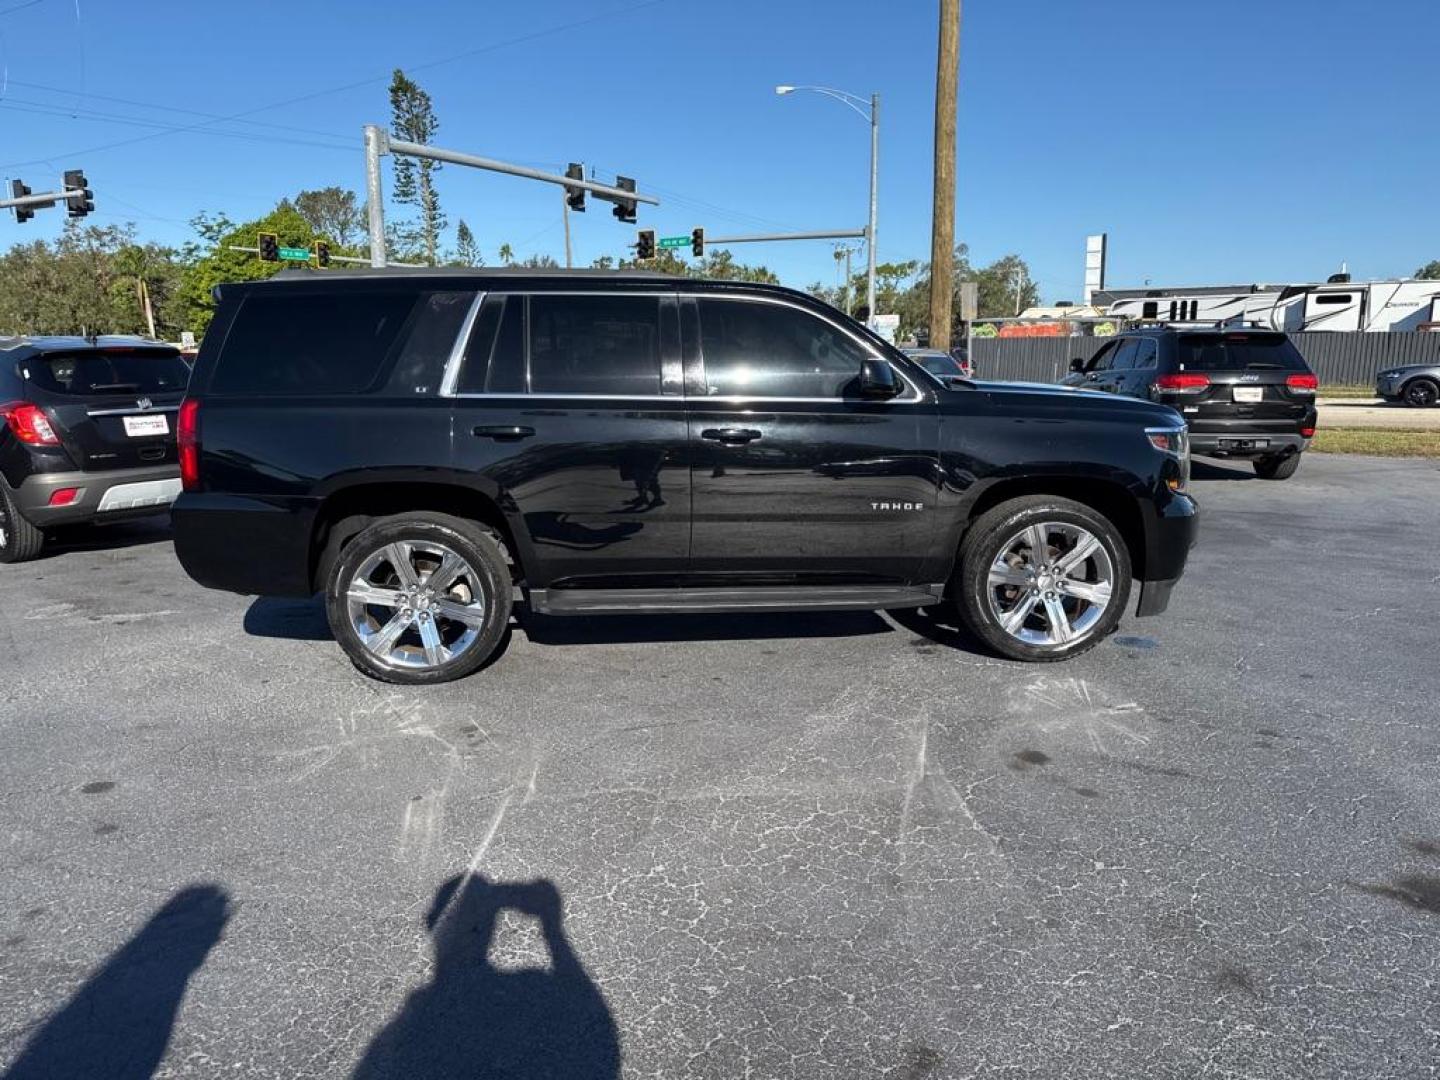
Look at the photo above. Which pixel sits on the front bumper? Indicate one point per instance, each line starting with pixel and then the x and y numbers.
pixel 103 496
pixel 1169 535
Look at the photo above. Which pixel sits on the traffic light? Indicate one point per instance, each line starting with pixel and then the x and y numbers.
pixel 269 245
pixel 322 253
pixel 625 208
pixel 79 199
pixel 575 197
pixel 19 191
pixel 697 243
pixel 645 245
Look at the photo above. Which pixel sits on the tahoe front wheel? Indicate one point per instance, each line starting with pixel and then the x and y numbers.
pixel 419 598
pixel 1042 578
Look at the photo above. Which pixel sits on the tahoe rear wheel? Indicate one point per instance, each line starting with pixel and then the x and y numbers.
pixel 1277 466
pixel 419 598
pixel 1043 578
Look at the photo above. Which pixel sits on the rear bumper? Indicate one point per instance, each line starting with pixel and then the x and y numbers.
pixel 1249 438
pixel 244 544
pixel 103 496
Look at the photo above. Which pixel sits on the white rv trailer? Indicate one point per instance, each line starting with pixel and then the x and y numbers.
pixel 1374 306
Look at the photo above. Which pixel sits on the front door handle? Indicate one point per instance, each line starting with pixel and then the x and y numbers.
pixel 730 436
pixel 503 432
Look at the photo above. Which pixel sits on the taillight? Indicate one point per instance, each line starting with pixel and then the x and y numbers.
pixel 187 437
pixel 1307 432
pixel 29 423
pixel 1305 383
pixel 64 496
pixel 1183 382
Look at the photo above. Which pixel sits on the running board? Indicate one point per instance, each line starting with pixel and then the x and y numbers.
pixel 733 599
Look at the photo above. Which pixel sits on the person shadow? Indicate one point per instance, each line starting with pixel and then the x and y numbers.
pixel 473 1020
pixel 118 1024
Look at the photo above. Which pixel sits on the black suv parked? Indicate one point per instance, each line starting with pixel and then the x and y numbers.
pixel 88 433
pixel 425 446
pixel 1243 393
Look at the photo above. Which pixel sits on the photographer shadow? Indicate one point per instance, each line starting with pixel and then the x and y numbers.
pixel 476 1021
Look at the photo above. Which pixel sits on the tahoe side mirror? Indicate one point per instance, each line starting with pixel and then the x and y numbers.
pixel 1077 364
pixel 877 379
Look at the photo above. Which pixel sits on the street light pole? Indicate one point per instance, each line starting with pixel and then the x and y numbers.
pixel 874 181
pixel 873 115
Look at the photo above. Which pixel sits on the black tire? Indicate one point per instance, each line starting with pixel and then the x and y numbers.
pixel 19 540
pixel 406 658
pixel 990 538
pixel 1277 466
pixel 1421 393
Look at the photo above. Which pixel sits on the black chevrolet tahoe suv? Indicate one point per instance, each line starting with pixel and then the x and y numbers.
pixel 88 434
pixel 1244 393
pixel 424 448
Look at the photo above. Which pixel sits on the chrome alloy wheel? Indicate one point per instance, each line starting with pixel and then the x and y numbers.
pixel 1050 584
pixel 415 604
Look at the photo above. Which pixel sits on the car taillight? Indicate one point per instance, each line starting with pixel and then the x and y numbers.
pixel 1183 382
pixel 29 423
pixel 187 437
pixel 1307 432
pixel 1303 382
pixel 64 496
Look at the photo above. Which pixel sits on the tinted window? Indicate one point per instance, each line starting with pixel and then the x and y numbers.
pixel 1144 355
pixel 150 371
pixel 495 355
pixel 1123 356
pixel 1101 360
pixel 308 343
pixel 429 342
pixel 595 345
pixel 1236 352
pixel 1333 298
pixel 774 350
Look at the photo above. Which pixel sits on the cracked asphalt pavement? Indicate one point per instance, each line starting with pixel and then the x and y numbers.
pixel 768 846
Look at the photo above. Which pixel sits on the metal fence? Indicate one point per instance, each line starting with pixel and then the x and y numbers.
pixel 1340 359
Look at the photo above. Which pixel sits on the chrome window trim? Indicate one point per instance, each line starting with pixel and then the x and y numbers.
pixel 457 351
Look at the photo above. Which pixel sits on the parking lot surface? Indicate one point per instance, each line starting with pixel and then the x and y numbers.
pixel 770 846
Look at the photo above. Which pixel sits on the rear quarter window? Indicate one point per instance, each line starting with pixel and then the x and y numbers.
pixel 312 343
pixel 1239 352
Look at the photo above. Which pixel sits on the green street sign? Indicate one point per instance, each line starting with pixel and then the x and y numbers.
pixel 674 241
pixel 295 254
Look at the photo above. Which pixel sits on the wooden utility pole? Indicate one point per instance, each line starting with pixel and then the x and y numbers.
pixel 942 226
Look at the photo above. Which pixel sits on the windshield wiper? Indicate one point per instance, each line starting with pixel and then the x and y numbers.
pixel 115 386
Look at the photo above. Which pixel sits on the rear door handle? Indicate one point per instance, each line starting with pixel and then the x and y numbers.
pixel 503 432
pixel 730 436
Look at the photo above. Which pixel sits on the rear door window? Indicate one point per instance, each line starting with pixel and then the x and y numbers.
pixel 98 372
pixel 1123 357
pixel 594 345
pixel 1239 352
pixel 495 354
pixel 312 343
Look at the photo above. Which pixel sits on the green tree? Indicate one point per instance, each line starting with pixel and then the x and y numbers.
pixel 507 254
pixel 195 305
pixel 412 118
pixel 467 251
pixel 1430 271
pixel 333 212
pixel 1005 288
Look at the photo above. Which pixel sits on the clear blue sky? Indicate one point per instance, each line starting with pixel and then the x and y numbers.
pixel 1217 141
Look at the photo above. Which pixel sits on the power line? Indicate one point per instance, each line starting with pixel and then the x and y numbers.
pixel 20 7
pixel 520 40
